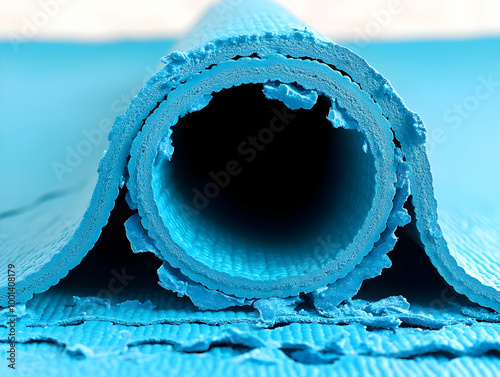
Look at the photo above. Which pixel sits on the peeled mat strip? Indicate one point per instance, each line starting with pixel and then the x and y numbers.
pixel 373 143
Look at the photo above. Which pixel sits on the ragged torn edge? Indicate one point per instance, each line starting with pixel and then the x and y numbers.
pixel 388 313
pixel 172 279
pixel 328 298
pixel 293 96
pixel 85 303
pixel 175 61
pixel 296 341
pixel 271 310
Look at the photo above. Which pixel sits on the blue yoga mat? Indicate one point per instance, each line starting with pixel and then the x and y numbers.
pixel 294 160
pixel 267 169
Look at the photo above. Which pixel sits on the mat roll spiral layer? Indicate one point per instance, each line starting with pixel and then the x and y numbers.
pixel 264 161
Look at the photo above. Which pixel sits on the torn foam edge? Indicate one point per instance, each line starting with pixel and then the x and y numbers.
pixel 173 280
pixel 94 339
pixel 327 298
pixel 144 305
pixel 292 95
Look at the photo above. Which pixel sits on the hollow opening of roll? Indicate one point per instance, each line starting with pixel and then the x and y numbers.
pixel 256 190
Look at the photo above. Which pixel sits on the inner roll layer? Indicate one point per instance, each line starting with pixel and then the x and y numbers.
pixel 233 240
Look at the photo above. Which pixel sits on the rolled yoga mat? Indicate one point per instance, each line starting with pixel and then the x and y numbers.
pixel 264 161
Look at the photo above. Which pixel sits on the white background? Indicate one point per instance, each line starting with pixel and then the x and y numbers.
pixel 91 20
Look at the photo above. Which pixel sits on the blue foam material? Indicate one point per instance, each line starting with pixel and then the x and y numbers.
pixel 296 348
pixel 148 304
pixel 460 111
pixel 171 279
pixel 295 65
pixel 53 212
pixel 291 95
pixel 262 361
pixel 254 269
pixel 67 179
pixel 334 339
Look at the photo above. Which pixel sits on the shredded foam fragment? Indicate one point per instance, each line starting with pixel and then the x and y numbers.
pixel 173 280
pixel 292 95
pixel 339 117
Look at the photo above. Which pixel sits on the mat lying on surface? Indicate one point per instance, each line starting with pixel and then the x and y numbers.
pixel 222 361
pixel 264 161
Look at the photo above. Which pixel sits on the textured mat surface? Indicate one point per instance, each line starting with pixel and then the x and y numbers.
pixel 340 340
pixel 268 362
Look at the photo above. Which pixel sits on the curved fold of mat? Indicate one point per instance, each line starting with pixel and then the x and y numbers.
pixel 264 161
